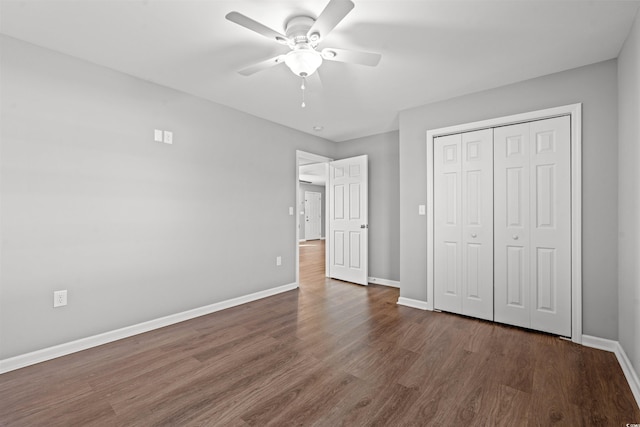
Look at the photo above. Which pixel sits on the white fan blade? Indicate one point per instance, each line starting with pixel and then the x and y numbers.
pixel 263 65
pixel 259 28
pixel 332 14
pixel 352 57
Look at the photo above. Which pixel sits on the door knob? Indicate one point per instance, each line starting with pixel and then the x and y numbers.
pixel 515 237
pixel 474 235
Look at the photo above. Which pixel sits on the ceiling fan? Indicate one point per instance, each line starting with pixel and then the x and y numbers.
pixel 303 34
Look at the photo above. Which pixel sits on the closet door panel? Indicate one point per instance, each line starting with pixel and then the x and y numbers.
pixel 511 225
pixel 550 213
pixel 502 224
pixel 477 224
pixel 447 223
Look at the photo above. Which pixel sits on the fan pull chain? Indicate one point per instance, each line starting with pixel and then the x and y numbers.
pixel 303 87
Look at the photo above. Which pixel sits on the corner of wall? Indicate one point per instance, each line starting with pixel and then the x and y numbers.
pixel 629 196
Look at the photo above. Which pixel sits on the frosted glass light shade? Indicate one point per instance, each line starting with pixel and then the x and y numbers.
pixel 303 61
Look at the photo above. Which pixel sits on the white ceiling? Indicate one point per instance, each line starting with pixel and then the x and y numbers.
pixel 314 173
pixel 431 50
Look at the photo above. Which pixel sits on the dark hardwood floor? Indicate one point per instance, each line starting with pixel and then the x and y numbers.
pixel 328 354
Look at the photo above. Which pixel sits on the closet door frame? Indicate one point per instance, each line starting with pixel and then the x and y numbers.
pixel 575 113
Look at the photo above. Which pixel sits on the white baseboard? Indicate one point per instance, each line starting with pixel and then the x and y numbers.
pixel 385 282
pixel 49 353
pixel 599 343
pixel 614 346
pixel 414 303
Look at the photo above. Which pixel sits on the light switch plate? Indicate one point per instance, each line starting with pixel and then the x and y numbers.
pixel 422 210
pixel 290 210
pixel 157 135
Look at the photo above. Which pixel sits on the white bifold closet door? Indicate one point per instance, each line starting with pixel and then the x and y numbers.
pixel 533 225
pixel 463 223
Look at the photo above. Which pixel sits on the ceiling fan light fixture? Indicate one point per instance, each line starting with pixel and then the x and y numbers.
pixel 303 61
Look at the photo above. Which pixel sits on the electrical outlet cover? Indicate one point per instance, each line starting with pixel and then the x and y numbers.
pixel 60 298
pixel 168 137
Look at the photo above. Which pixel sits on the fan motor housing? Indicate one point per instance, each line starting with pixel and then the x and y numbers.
pixel 298 27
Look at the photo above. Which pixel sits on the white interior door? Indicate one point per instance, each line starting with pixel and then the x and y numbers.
pixel 511 216
pixel 447 171
pixel 312 215
pixel 533 225
pixel 348 219
pixel 477 224
pixel 463 223
pixel 551 225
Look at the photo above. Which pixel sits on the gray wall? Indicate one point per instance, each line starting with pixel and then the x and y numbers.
pixel 629 195
pixel 384 212
pixel 133 229
pixel 316 189
pixel 136 230
pixel 596 87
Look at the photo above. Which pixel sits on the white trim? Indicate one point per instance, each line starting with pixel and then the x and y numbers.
pixel 414 303
pixel 385 282
pixel 327 224
pixel 599 343
pixel 318 158
pixel 431 134
pixel 509 120
pixel 576 222
pixel 49 353
pixel 575 111
pixel 627 368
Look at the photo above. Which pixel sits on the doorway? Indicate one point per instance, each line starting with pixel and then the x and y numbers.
pixel 311 176
pixel 346 213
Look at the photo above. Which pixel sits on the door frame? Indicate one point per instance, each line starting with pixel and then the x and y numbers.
pixel 575 112
pixel 300 155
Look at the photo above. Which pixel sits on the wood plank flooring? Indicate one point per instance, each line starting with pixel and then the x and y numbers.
pixel 328 354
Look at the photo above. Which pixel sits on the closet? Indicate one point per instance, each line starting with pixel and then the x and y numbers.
pixel 502 224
